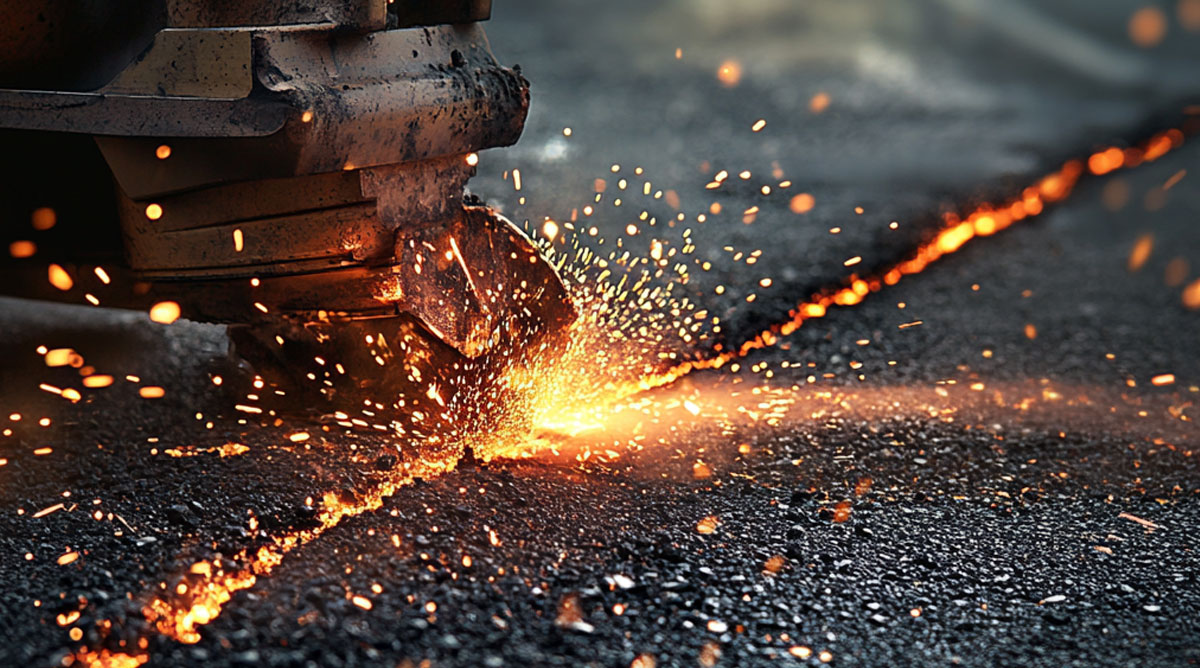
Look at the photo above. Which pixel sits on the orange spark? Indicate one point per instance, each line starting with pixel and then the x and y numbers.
pixel 43 219
pixel 729 73
pixel 59 278
pixel 164 312
pixel 802 203
pixel 1163 379
pixel 819 103
pixel 1147 26
pixel 1191 295
pixel 22 249
pixel 1141 252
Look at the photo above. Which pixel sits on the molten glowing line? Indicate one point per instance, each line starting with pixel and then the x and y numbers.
pixel 983 221
pixel 210 585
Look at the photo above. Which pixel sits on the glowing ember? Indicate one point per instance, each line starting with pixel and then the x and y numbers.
pixel 97 381
pixel 729 73
pixel 1147 26
pixel 108 659
pixel 1189 14
pixel 1141 252
pixel 22 249
pixel 775 564
pixel 164 312
pixel 1191 295
pixel 59 278
pixel 62 357
pixel 819 103
pixel 802 203
pixel 643 661
pixel 43 219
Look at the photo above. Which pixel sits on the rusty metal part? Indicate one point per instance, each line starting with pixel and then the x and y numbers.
pixel 316 101
pixel 499 305
pixel 301 223
pixel 291 168
pixel 471 282
pixel 53 45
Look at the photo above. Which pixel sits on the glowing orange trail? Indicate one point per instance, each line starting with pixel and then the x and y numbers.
pixel 211 585
pixel 984 221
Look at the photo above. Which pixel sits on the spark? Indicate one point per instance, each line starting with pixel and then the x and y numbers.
pixel 164 313
pixel 59 278
pixel 22 249
pixel 729 73
pixel 62 357
pixel 802 203
pixel 43 218
pixel 1163 379
pixel 1147 27
pixel 46 511
pixel 1141 252
pixel 1191 295
pixel 462 263
pixel 819 103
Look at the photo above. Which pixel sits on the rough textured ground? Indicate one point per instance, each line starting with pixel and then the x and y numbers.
pixel 908 518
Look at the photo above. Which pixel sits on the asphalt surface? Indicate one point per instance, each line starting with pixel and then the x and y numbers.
pixel 895 515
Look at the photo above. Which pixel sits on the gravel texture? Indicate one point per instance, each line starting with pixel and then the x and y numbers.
pixel 907 520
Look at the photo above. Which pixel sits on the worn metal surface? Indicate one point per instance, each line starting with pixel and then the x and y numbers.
pixel 330 219
pixel 201 63
pixel 52 44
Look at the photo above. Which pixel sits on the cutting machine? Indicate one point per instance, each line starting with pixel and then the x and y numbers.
pixel 293 169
